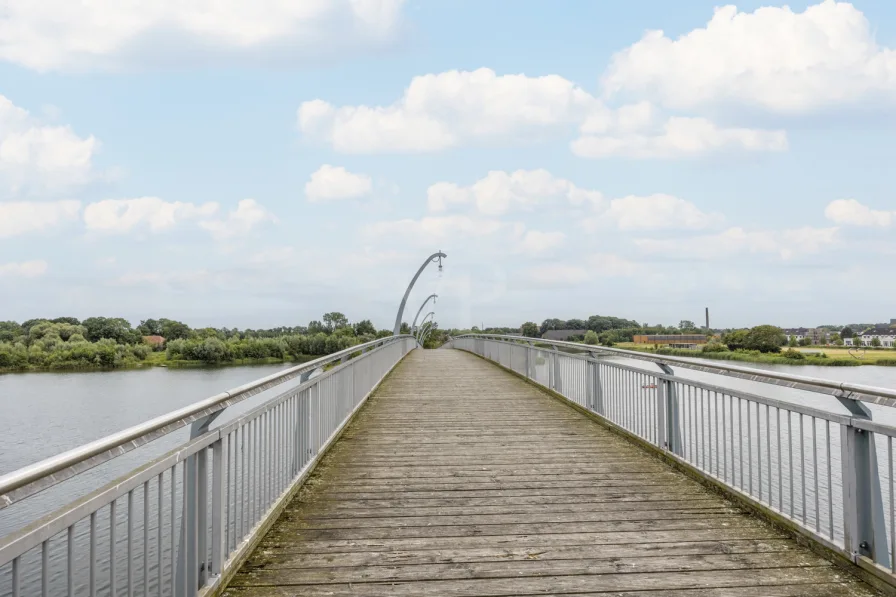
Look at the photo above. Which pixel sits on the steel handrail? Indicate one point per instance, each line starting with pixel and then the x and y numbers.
pixel 39 470
pixel 872 394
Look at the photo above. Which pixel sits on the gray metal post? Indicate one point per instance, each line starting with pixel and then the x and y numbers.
pixel 672 441
pixel 595 387
pixel 219 514
pixel 434 257
pixel 864 526
pixel 188 579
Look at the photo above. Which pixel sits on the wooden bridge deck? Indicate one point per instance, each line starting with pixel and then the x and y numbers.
pixel 459 479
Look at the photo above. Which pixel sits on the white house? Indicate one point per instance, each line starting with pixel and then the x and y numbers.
pixel 886 335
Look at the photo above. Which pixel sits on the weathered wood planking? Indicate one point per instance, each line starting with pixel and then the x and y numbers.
pixel 459 479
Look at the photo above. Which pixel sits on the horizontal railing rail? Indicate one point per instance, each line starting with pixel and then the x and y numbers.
pixel 824 471
pixel 180 524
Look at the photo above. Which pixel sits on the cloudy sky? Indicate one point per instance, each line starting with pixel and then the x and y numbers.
pixel 259 163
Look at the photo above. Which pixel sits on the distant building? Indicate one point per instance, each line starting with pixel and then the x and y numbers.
pixel 562 334
pixel 154 341
pixel 672 340
pixel 886 335
pixel 815 335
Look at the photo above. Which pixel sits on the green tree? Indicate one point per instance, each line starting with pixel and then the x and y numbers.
pixel 364 327
pixel 334 320
pixel 68 320
pixel 792 341
pixel 150 327
pixel 805 341
pixel 111 328
pixel 766 338
pixel 529 329
pixel 875 342
pixel 405 328
pixel 735 339
pixel 174 330
pixel 591 337
pixel 687 325
pixel 316 327
pixel 846 332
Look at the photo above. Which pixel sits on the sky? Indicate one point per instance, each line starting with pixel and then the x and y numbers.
pixel 257 164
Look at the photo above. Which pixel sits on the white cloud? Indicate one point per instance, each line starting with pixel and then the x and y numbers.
pixel 852 213
pixel 438 111
pixel 536 242
pixel 786 244
pixel 659 211
pixel 500 192
pixel 434 229
pixel 248 214
pixel 25 269
pixel 22 217
pixel 773 57
pixel 608 265
pixel 112 34
pixel 35 155
pixel 123 215
pixel 558 275
pixel 677 137
pixel 333 183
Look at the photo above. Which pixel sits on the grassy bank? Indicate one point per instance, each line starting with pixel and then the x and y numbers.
pixel 834 357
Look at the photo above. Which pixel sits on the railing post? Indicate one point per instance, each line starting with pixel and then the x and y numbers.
pixel 864 526
pixel 528 347
pixel 195 508
pixel 594 387
pixel 671 435
pixel 662 416
pixel 556 381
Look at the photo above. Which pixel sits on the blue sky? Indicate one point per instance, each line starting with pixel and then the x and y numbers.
pixel 258 164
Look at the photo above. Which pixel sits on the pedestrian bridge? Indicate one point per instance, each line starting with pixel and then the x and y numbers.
pixel 494 466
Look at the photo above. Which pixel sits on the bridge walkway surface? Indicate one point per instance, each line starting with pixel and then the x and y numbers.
pixel 460 479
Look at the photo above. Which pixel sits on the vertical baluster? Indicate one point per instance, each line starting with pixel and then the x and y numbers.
pixel 703 445
pixel 146 538
pixel 892 509
pixel 70 563
pixel 759 450
pixel 790 457
pixel 740 441
pixel 91 580
pixel 780 466
pixel 803 469
pixel 171 530
pixel 45 568
pixel 15 578
pixel 831 483
pixel 159 488
pixel 815 472
pixel 749 448
pixel 112 590
pixel 130 547
pixel 768 451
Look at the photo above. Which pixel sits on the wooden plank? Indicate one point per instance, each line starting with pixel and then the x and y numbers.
pixel 285 558
pixel 506 587
pixel 460 480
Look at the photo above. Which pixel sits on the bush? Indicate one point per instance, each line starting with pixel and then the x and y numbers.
pixel 793 354
pixel 714 347
pixel 591 338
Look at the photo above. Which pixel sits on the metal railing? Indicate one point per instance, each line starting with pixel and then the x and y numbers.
pixel 180 524
pixel 825 474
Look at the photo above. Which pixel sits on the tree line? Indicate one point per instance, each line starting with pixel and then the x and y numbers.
pixel 69 343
